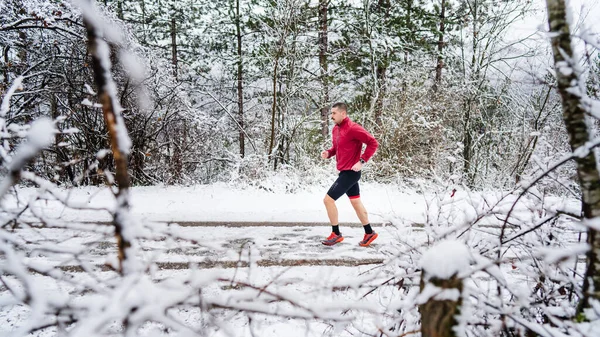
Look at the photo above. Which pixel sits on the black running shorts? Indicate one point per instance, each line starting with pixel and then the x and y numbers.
pixel 347 182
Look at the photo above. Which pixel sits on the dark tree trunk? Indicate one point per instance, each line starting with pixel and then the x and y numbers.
pixel 120 9
pixel 467 145
pixel 323 7
pixel 440 58
pixel 240 83
pixel 174 45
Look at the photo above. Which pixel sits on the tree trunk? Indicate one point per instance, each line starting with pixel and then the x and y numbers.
pixel 323 7
pixel 143 7
pixel 380 75
pixel 438 317
pixel 440 59
pixel 383 6
pixel 278 54
pixel 5 53
pixel 120 9
pixel 61 154
pixel 570 89
pixel 273 107
pixel 467 145
pixel 174 44
pixel 115 125
pixel 240 84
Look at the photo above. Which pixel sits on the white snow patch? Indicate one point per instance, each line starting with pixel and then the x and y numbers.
pixel 445 259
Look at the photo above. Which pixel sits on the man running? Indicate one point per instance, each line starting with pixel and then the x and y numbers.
pixel 348 138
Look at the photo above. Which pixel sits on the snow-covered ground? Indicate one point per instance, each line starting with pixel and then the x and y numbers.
pixel 223 203
pixel 259 237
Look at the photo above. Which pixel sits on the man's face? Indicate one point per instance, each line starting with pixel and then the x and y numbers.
pixel 337 115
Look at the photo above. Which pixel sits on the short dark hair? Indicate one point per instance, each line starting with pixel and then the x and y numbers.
pixel 340 105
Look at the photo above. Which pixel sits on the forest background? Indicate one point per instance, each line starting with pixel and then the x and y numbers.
pixel 458 92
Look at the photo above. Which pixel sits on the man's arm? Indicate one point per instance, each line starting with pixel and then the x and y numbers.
pixel 366 138
pixel 332 150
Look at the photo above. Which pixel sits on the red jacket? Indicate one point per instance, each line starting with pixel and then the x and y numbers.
pixel 348 138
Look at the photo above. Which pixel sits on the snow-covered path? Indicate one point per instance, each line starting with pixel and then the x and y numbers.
pixel 225 246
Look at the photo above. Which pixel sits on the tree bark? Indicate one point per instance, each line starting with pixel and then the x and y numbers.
pixel 240 78
pixel 323 7
pixel 570 89
pixel 440 58
pixel 438 317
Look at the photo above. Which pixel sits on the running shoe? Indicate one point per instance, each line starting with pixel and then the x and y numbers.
pixel 367 239
pixel 333 239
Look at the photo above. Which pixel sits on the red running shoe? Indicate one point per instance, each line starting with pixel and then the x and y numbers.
pixel 333 239
pixel 367 239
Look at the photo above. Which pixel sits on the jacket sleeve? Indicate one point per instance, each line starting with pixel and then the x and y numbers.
pixel 365 137
pixel 332 150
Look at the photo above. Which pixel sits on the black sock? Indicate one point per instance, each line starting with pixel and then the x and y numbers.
pixel 368 229
pixel 336 229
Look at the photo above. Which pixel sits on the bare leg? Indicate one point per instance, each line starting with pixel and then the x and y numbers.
pixel 332 211
pixel 360 210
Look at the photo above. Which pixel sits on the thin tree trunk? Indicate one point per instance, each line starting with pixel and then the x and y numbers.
pixel 470 108
pixel 383 6
pixel 5 69
pixel 240 83
pixel 409 26
pixel 568 80
pixel 60 151
pixel 474 68
pixel 23 50
pixel 174 45
pixel 273 106
pixel 114 123
pixel 527 151
pixel 381 82
pixel 467 143
pixel 323 7
pixel 120 9
pixel 440 58
pixel 143 7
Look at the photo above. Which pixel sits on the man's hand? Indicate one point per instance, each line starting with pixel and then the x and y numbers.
pixel 357 167
pixel 325 154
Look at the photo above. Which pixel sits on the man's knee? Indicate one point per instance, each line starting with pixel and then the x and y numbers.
pixel 355 200
pixel 328 200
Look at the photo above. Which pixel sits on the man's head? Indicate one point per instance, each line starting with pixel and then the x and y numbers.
pixel 339 111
